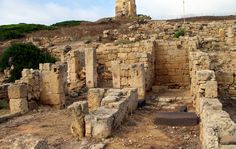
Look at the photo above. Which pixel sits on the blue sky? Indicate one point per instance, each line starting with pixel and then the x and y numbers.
pixel 51 11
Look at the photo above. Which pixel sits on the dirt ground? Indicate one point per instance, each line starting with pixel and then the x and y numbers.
pixel 139 131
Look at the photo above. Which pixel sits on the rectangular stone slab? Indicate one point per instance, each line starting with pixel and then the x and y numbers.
pixel 177 119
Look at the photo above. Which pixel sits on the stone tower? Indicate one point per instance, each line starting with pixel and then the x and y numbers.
pixel 125 8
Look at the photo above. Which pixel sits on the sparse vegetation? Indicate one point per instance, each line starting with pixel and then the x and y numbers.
pixel 68 23
pixel 16 31
pixel 23 56
pixel 4 104
pixel 179 32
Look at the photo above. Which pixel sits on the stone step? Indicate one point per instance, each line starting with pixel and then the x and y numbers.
pixel 177 119
pixel 228 140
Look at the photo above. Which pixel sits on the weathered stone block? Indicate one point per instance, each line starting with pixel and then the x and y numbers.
pixel 228 140
pixel 225 77
pixel 82 104
pixel 109 99
pixel 91 68
pixel 29 142
pixel 19 105
pixel 205 75
pixel 78 109
pixel 138 79
pixel 116 74
pixel 211 90
pixel 99 123
pixel 52 99
pixel 17 91
pixel 94 98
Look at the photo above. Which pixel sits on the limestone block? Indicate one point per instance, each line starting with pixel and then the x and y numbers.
pixel 78 110
pixel 82 104
pixel 210 104
pixel 29 142
pixel 222 33
pixel 211 90
pixel 228 147
pixel 45 67
pixel 225 77
pixel 116 74
pixel 74 65
pixel 52 82
pixel 109 99
pixel 138 79
pixel 16 91
pixel 205 75
pixel 98 124
pixel 19 105
pixel 91 69
pixel 52 99
pixel 94 98
pixel 123 56
pixel 133 99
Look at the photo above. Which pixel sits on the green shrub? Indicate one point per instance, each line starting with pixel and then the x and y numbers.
pixel 16 31
pixel 179 32
pixel 68 23
pixel 23 56
pixel 4 104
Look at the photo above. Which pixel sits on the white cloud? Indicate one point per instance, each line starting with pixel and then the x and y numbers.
pixel 23 11
pixel 161 9
pixel 28 11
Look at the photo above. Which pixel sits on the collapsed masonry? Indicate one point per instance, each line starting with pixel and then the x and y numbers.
pixel 46 86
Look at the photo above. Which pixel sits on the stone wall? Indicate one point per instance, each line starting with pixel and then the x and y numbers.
pixel 48 85
pixel 139 52
pixel 172 62
pixel 216 128
pixel 129 76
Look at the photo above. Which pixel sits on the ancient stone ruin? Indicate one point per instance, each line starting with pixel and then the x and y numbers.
pixel 109 91
pixel 125 8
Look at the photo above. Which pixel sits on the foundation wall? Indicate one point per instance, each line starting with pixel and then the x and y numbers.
pixel 172 63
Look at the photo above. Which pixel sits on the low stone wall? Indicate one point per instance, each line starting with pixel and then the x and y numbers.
pixel 216 124
pixel 107 111
pixel 198 61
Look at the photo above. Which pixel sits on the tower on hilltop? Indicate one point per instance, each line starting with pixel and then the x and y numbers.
pixel 125 8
